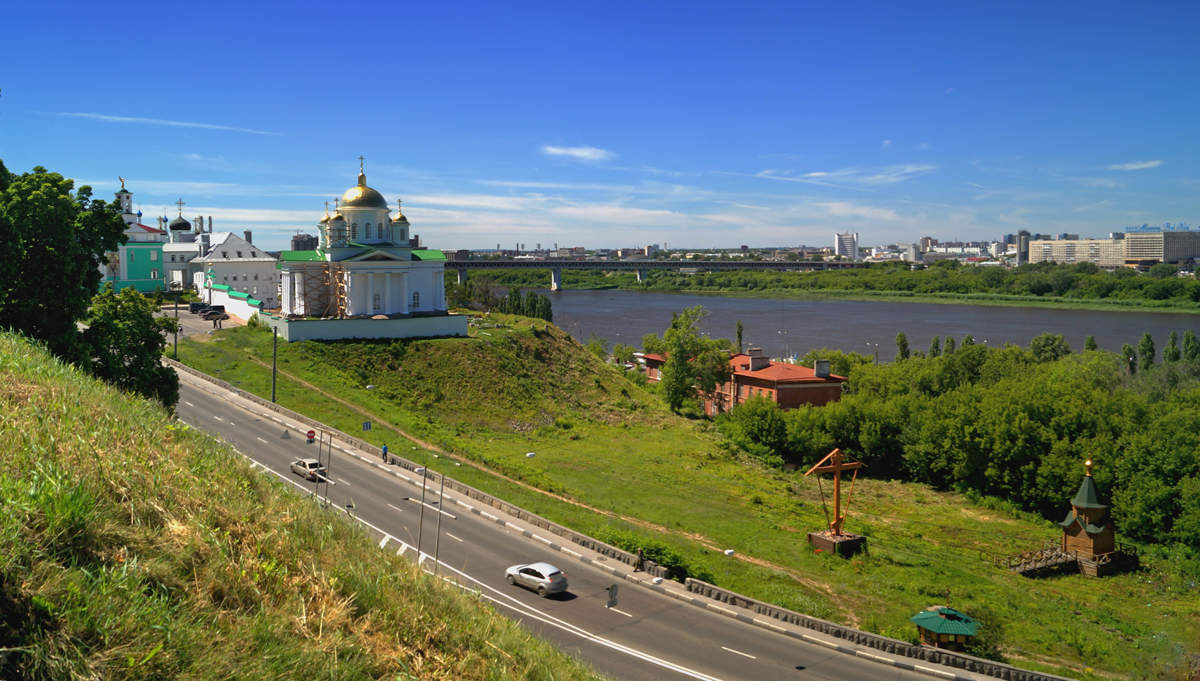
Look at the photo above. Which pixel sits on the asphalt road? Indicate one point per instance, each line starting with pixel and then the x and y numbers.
pixel 647 636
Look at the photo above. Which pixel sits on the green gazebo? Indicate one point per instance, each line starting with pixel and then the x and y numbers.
pixel 944 627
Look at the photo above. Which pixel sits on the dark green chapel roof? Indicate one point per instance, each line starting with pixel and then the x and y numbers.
pixel 1086 496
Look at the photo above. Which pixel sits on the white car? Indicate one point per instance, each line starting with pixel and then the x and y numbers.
pixel 309 468
pixel 543 578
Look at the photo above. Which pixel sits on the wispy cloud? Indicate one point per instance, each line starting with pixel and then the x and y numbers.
pixel 1136 165
pixel 843 209
pixel 578 153
pixel 885 144
pixel 1102 182
pixel 860 176
pixel 161 121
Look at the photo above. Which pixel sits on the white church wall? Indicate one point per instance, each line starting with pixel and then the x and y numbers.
pixel 334 329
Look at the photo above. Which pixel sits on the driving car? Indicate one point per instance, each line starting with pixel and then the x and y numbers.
pixel 543 578
pixel 309 468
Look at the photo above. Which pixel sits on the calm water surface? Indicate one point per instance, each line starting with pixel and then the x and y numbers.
pixel 785 327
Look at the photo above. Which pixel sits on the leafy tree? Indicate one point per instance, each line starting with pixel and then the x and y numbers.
pixel 1191 347
pixel 597 346
pixel 1048 347
pixel 738 329
pixel 54 242
pixel 1164 270
pixel 1171 352
pixel 901 346
pixel 125 343
pixel 757 425
pixel 693 361
pixel 623 354
pixel 949 347
pixel 1090 342
pixel 1129 356
pixel 935 346
pixel 1145 351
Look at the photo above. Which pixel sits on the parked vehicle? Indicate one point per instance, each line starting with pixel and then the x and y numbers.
pixel 195 307
pixel 543 578
pixel 308 468
pixel 212 315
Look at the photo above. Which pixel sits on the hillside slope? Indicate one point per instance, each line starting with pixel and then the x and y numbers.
pixel 132 547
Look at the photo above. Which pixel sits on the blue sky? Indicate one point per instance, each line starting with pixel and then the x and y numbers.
pixel 692 124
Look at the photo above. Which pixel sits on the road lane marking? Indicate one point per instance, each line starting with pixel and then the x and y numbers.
pixel 383 542
pixel 188 403
pixel 262 440
pixel 343 482
pixel 396 509
pixel 218 418
pixel 451 536
pixel 620 612
pixel 738 652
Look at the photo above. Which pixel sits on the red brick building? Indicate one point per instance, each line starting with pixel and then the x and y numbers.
pixel 753 374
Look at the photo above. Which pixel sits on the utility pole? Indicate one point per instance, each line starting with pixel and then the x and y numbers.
pixel 437 540
pixel 177 292
pixel 421 518
pixel 274 351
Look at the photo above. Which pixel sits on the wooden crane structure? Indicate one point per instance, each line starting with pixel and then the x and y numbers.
pixel 834 539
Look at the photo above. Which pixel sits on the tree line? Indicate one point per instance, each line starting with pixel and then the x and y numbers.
pixel 483 293
pixel 1014 423
pixel 54 238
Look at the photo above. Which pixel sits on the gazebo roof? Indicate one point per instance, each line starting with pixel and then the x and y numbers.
pixel 944 620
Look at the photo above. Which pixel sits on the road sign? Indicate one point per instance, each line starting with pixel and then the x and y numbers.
pixel 312 434
pixel 612 596
pixel 366 425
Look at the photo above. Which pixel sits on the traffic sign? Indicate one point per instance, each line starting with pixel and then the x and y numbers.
pixel 312 434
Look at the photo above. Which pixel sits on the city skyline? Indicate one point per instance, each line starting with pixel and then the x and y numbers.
pixel 699 125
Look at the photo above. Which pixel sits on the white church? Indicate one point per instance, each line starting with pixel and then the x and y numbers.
pixel 365 280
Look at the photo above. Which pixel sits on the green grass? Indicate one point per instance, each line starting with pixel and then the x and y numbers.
pixel 619 464
pixel 133 547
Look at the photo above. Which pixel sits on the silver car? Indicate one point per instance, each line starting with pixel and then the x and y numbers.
pixel 543 578
pixel 309 468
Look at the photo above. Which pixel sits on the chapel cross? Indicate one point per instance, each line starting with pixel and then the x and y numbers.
pixel 360 163
pixel 835 463
pixel 180 204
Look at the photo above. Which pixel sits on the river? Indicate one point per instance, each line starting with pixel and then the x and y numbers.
pixel 787 327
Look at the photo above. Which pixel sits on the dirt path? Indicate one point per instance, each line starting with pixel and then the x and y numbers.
pixel 847 616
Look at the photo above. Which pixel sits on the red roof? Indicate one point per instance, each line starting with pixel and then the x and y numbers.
pixel 152 230
pixel 780 372
pixel 654 356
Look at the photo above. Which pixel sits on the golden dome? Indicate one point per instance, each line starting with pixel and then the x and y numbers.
pixel 362 196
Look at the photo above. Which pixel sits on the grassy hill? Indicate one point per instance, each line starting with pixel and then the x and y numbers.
pixel 132 547
pixel 612 462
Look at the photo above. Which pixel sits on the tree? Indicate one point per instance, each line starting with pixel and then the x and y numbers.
pixel 125 342
pixel 935 346
pixel 1191 347
pixel 597 346
pixel 1129 356
pixel 1090 342
pixel 1145 351
pixel 53 242
pixel 949 347
pixel 901 346
pixel 1171 352
pixel 623 354
pixel 1048 347
pixel 757 425
pixel 1164 270
pixel 738 329
pixel 693 362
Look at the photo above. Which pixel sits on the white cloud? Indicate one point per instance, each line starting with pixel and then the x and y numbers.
pixel 868 177
pixel 160 121
pixel 1103 182
pixel 1136 165
pixel 578 153
pixel 843 209
pixel 885 144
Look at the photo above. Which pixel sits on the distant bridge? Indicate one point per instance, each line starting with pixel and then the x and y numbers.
pixel 641 266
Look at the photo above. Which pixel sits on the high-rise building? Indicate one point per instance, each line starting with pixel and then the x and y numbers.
pixel 304 242
pixel 846 245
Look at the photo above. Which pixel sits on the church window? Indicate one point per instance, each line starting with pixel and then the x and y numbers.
pixel 375 302
pixel 353 230
pixel 154 274
pixel 368 230
pixel 239 254
pixel 224 254
pixel 153 255
pixel 416 299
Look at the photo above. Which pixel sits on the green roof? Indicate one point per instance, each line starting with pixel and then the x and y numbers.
pixel 301 256
pixel 239 294
pixel 425 254
pixel 1071 519
pixel 220 287
pixel 945 621
pixel 254 302
pixel 1086 496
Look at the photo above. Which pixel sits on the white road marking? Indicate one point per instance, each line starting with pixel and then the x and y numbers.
pixel 395 509
pixel 541 539
pixel 717 607
pixel 573 553
pixel 188 403
pixel 451 536
pixel 772 625
pixel 738 652
pixel 620 612
pixel 383 542
pixel 262 440
pixel 218 418
pixel 489 516
pixel 343 482
pixel 433 508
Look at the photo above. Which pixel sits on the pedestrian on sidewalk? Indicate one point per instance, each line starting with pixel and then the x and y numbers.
pixel 385 459
pixel 641 560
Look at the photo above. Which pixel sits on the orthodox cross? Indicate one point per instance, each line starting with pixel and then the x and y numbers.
pixel 834 462
pixel 360 163
pixel 180 204
pixel 327 208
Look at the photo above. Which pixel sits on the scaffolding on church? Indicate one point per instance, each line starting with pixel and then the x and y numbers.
pixel 323 291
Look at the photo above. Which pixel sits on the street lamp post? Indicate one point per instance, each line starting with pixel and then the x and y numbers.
pixel 421 517
pixel 437 538
pixel 869 344
pixel 175 286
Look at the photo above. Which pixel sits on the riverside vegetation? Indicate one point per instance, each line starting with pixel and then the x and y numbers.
pixel 133 547
pixel 1080 285
pixel 614 462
